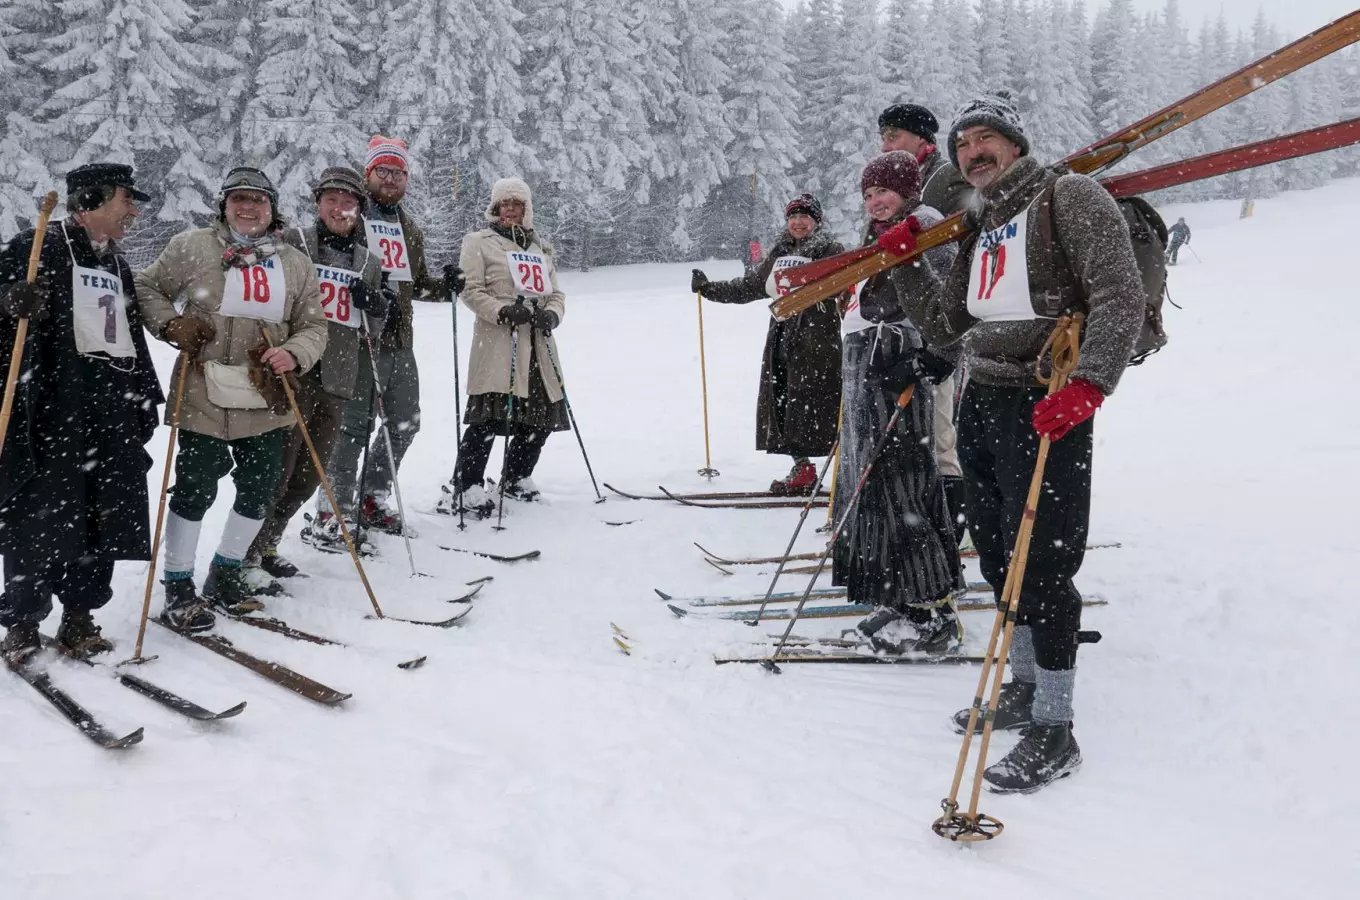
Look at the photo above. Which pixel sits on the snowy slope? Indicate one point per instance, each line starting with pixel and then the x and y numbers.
pixel 531 759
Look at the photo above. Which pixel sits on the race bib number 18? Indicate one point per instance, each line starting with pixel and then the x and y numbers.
pixel 529 271
pixel 256 292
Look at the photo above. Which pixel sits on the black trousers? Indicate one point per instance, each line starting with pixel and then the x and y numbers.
pixel 997 451
pixel 526 445
pixel 31 578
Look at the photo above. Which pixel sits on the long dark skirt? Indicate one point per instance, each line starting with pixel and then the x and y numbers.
pixel 898 548
pixel 536 413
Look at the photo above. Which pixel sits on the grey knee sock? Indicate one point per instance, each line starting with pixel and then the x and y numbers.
pixel 1053 696
pixel 1022 654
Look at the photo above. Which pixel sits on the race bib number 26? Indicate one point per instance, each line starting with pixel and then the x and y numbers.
pixel 529 271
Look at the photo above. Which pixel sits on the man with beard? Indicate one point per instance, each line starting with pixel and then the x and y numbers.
pixel 73 495
pixel 399 244
pixel 912 129
pixel 800 375
pixel 1007 313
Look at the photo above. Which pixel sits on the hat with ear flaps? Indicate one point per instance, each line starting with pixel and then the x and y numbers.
pixel 511 189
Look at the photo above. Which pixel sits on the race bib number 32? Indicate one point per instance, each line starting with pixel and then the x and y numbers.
pixel 529 271
pixel 389 241
pixel 256 292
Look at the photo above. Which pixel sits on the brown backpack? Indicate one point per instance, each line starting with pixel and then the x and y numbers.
pixel 1149 236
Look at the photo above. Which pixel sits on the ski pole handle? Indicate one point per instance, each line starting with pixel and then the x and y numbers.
pixel 903 400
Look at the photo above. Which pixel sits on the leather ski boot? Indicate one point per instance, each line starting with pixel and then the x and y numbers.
pixel 1014 709
pixel 184 609
pixel 20 641
pixel 1045 754
pixel 228 589
pixel 80 635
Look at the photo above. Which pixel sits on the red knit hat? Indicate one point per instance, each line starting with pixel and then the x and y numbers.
pixel 385 151
pixel 895 170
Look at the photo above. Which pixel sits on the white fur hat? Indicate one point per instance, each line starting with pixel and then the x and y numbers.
pixel 511 189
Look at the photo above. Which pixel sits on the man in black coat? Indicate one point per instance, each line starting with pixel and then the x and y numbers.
pixel 73 492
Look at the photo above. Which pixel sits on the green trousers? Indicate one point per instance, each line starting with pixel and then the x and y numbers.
pixel 255 464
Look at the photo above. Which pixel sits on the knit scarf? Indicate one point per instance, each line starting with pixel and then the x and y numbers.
pixel 243 252
pixel 521 237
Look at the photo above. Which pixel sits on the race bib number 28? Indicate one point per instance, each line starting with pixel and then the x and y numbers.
pixel 529 271
pixel 335 295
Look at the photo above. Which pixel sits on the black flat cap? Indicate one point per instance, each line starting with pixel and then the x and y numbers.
pixel 101 175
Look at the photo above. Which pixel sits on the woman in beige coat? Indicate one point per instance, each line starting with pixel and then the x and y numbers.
pixel 514 386
pixel 234 280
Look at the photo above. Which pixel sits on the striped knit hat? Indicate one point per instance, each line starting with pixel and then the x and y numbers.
pixel 385 151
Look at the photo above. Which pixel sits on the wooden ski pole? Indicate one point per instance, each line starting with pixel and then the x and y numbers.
pixel 707 471
pixel 183 368
pixel 1064 344
pixel 16 356
pixel 325 482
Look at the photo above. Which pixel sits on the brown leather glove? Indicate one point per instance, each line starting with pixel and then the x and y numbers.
pixel 189 334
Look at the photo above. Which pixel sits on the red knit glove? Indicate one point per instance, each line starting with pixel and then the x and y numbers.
pixel 1059 413
pixel 901 238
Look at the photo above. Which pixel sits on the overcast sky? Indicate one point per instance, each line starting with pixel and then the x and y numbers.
pixel 1294 17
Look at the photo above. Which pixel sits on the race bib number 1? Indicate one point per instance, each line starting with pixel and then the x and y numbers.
pixel 256 292
pixel 529 271
pixel 335 297
pixel 389 241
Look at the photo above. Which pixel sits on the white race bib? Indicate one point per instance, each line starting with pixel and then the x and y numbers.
pixel 772 289
pixel 529 272
pixel 99 313
pixel 335 300
pixel 854 320
pixel 998 279
pixel 389 242
pixel 256 292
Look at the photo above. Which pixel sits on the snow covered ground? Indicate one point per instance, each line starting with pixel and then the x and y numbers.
pixel 531 759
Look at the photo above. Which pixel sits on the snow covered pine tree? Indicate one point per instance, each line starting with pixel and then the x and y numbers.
pixel 1005 313
pixel 73 495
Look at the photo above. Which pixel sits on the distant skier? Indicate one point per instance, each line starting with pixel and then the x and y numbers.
pixel 1004 316
pixel 912 128
pixel 800 375
pixel 512 289
pixel 73 495
pixel 1180 234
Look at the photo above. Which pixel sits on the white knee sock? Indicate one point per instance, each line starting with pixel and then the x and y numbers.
pixel 181 546
pixel 236 538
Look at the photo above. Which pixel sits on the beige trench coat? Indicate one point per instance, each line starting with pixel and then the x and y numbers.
pixel 490 288
pixel 189 269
